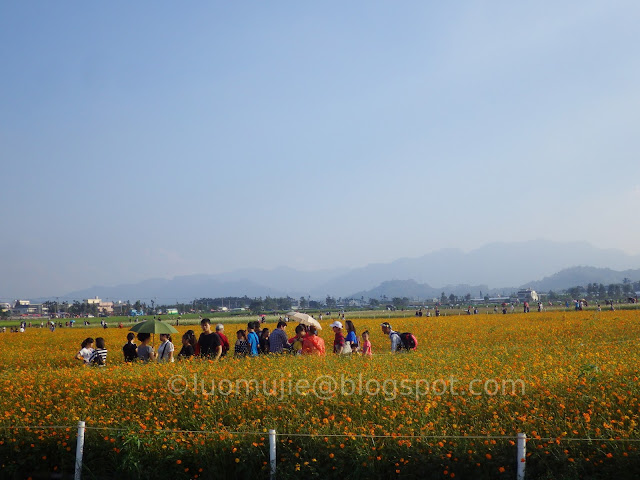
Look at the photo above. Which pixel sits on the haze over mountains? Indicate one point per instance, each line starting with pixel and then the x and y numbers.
pixel 493 268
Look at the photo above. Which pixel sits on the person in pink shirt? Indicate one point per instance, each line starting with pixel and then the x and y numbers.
pixel 366 344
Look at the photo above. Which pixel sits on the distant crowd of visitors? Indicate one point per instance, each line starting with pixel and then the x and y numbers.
pixel 250 342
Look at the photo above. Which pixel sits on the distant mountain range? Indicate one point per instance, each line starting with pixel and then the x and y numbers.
pixel 493 268
pixel 571 277
pixel 422 291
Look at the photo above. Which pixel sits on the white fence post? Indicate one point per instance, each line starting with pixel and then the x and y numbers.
pixel 521 455
pixel 79 450
pixel 272 453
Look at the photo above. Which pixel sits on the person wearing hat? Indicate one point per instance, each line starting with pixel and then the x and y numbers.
pixel 223 339
pixel 338 342
pixel 393 336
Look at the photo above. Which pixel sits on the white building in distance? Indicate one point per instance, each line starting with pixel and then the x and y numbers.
pixel 527 295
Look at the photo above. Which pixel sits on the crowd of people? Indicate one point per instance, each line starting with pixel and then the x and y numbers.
pixel 250 342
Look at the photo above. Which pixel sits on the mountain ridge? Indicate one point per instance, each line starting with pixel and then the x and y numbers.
pixel 490 268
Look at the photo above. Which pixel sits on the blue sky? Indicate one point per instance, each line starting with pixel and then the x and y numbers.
pixel 154 139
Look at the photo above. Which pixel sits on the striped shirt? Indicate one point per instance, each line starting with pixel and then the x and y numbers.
pixel 99 357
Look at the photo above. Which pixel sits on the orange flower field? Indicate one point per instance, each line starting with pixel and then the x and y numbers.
pixel 569 380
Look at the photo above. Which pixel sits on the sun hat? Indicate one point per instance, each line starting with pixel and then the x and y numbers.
pixel 336 324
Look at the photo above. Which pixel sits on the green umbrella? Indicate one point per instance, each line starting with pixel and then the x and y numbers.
pixel 153 326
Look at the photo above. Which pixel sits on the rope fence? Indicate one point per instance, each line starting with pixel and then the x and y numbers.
pixel 521 440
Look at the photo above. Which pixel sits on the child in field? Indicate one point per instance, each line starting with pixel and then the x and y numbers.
pixel 86 349
pixel 366 344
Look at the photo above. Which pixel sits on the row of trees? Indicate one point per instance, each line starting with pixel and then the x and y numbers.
pixel 75 308
pixel 618 291
pixel 598 290
pixel 83 308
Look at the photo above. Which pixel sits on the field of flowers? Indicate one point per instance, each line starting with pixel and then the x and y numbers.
pixel 560 377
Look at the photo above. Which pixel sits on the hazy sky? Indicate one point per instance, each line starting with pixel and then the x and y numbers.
pixel 151 139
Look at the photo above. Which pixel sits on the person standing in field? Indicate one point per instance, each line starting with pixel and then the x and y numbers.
pixel 339 343
pixel 209 343
pixel 296 342
pixel 242 347
pixel 99 355
pixel 366 344
pixel 278 340
pixel 352 337
pixel 188 349
pixel 223 338
pixel 252 338
pixel 396 343
pixel 86 349
pixel 145 351
pixel 263 348
pixel 130 349
pixel 312 344
pixel 166 348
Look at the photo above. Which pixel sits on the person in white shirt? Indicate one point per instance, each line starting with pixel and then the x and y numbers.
pixel 393 336
pixel 166 348
pixel 86 349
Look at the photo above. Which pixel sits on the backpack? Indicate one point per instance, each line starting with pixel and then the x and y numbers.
pixel 408 341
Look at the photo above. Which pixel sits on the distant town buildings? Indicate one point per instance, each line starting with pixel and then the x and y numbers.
pixel 103 307
pixel 25 307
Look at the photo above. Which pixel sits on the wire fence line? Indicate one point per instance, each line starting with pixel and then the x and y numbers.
pixel 322 435
pixel 520 442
